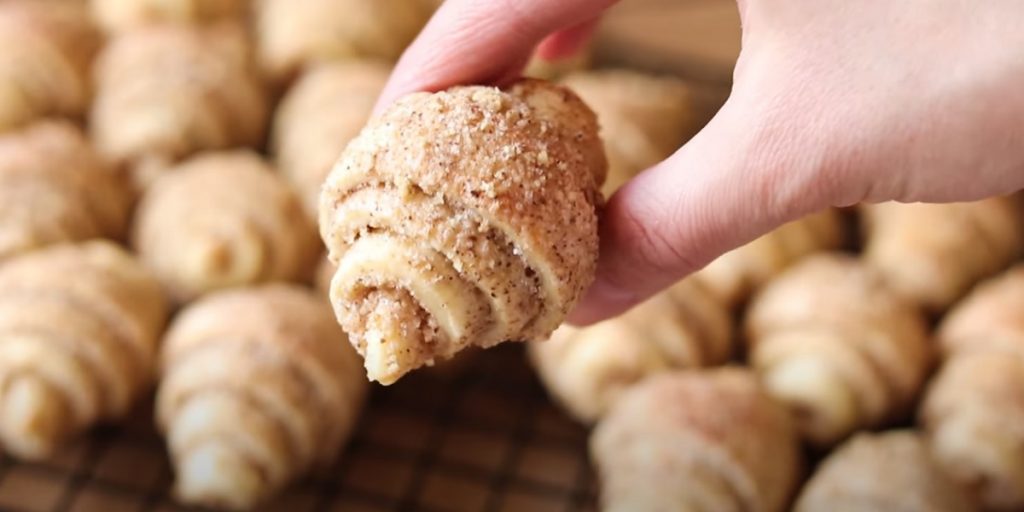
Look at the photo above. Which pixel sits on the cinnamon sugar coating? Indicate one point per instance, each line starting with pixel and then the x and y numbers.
pixel 474 211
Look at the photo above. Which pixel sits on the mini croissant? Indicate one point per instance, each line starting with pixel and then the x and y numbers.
pixel 837 346
pixel 934 253
pixel 322 112
pixel 892 472
pixel 166 92
pixel 79 326
pixel 737 274
pixel 259 386
pixel 222 220
pixel 702 441
pixel 47 48
pixel 588 368
pixel 465 217
pixel 292 35
pixel 54 188
pixel 973 411
pixel 122 15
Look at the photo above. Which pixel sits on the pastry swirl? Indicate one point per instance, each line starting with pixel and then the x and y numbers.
pixel 588 368
pixel 54 188
pixel 701 441
pixel 222 220
pixel 166 92
pixel 259 385
pixel 48 48
pixel 60 377
pixel 973 411
pixel 465 217
pixel 837 346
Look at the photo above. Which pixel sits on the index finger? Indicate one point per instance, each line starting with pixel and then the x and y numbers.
pixel 479 41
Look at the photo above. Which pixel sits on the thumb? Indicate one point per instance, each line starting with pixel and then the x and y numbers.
pixel 735 180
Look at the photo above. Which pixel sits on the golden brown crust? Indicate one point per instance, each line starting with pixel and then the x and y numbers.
pixel 44 67
pixel 701 441
pixel 322 112
pixel 644 118
pixel 222 220
pixel 830 340
pixel 919 248
pixel 166 92
pixel 292 35
pixel 60 377
pixel 974 409
pixel 893 471
pixel 587 369
pixel 481 203
pixel 122 15
pixel 259 385
pixel 54 188
pixel 737 274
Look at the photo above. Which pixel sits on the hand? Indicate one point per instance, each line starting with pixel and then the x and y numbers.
pixel 833 103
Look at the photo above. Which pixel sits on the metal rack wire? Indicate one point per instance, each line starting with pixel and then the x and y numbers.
pixel 480 436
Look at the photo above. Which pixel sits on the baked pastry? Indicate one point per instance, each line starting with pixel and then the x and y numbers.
pixel 292 35
pixel 54 188
pixel 259 386
pixel 48 48
pixel 222 220
pixel 464 217
pixel 322 112
pixel 837 346
pixel 974 409
pixel 167 92
pixel 587 369
pixel 920 248
pixel 892 471
pixel 698 441
pixel 79 326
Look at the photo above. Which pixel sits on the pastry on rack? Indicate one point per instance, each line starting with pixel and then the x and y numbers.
pixel 934 253
pixel 292 35
pixel 892 471
pixel 464 217
pixel 708 440
pixel 837 346
pixel 587 369
pixel 322 112
pixel 736 275
pixel 166 92
pixel 54 188
pixel 122 15
pixel 258 387
pixel 221 220
pixel 47 49
pixel 644 118
pixel 546 68
pixel 974 408
pixel 79 326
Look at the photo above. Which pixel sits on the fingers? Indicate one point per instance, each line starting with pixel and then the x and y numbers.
pixel 731 183
pixel 566 43
pixel 480 41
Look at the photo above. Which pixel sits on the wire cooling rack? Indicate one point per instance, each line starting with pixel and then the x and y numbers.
pixel 479 435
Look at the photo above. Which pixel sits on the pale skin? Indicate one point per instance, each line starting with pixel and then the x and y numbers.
pixel 835 102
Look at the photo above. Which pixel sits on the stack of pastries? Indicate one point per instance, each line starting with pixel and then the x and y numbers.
pixel 199 205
